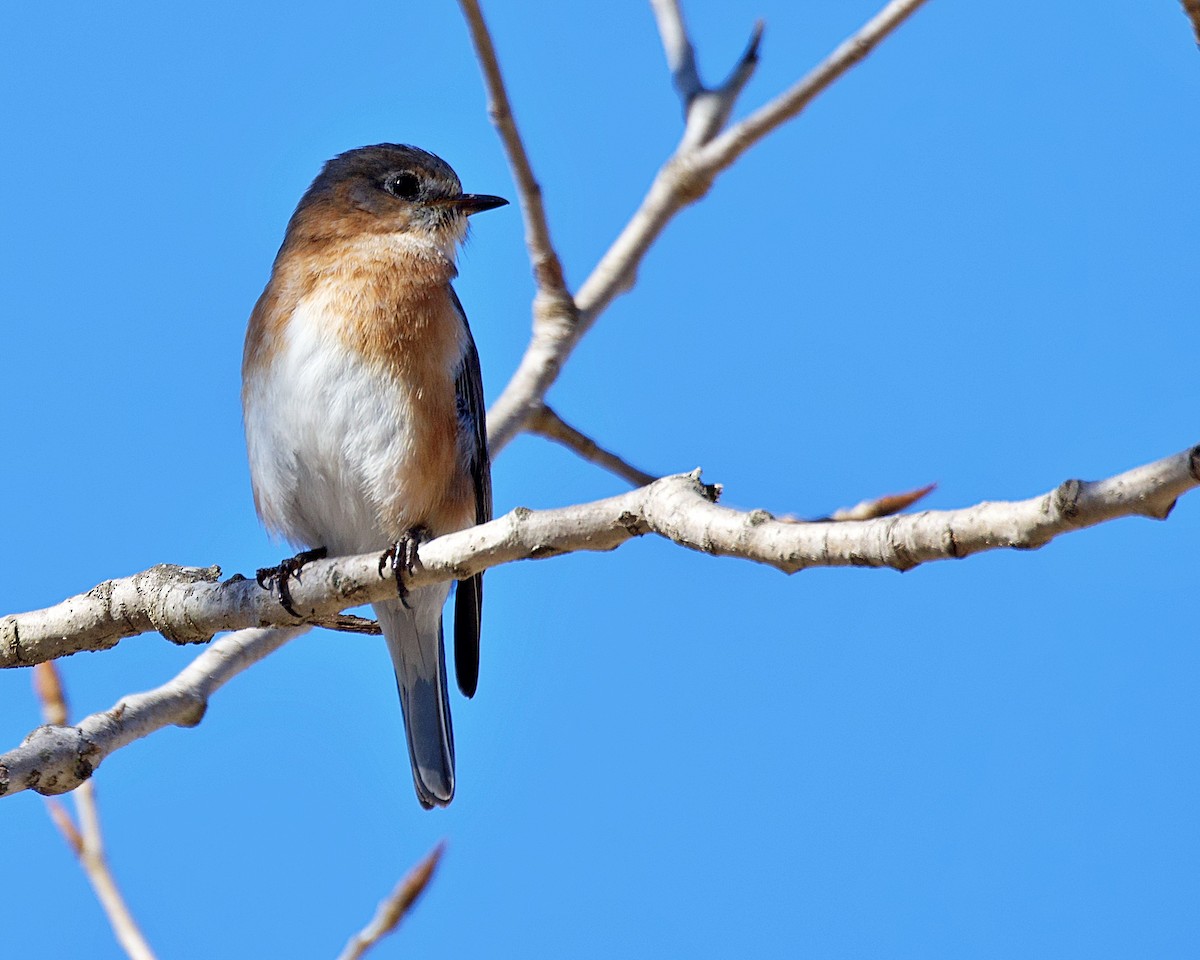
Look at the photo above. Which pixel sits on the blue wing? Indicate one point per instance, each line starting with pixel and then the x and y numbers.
pixel 472 421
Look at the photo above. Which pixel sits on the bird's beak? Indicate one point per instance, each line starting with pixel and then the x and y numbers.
pixel 469 203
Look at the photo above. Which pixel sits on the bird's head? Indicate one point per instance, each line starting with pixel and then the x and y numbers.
pixel 389 188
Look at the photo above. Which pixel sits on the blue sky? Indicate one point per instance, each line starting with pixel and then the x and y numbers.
pixel 971 262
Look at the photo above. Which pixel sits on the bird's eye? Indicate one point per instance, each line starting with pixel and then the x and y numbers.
pixel 406 186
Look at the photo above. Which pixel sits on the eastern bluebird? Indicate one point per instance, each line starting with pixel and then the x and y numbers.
pixel 364 410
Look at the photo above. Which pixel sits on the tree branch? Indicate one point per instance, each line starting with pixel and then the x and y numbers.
pixel 546 423
pixel 547 269
pixel 735 141
pixel 680 508
pixel 705 110
pixel 684 179
pixel 87 840
pixel 395 908
pixel 554 310
pixel 56 758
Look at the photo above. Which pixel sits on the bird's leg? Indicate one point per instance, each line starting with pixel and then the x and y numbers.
pixel 402 557
pixel 277 577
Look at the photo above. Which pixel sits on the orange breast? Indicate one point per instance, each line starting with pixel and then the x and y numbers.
pixel 405 322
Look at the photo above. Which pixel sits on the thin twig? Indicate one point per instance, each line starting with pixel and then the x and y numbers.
pixel 347 623
pixel 87 841
pixel 735 141
pixel 706 110
pixel 885 506
pixel 547 268
pixel 687 176
pixel 677 45
pixel 65 823
pixel 555 315
pixel 395 908
pixel 546 423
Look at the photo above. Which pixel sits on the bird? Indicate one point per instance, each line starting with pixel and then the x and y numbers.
pixel 362 402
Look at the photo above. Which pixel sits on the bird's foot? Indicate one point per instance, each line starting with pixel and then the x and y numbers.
pixel 402 558
pixel 276 578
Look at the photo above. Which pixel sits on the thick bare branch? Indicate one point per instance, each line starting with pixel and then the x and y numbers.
pixel 86 840
pixel 395 908
pixel 546 423
pixel 683 179
pixel 680 508
pixel 56 758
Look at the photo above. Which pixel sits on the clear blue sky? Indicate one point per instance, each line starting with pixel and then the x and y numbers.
pixel 973 262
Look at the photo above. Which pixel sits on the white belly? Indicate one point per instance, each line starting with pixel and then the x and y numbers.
pixel 328 439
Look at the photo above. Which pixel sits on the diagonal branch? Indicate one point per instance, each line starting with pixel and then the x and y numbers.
pixel 554 302
pixel 683 179
pixel 396 907
pixel 56 758
pixel 735 141
pixel 688 174
pixel 546 423
pixel 86 840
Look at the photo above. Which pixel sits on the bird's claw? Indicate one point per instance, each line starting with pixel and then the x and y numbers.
pixel 402 558
pixel 277 577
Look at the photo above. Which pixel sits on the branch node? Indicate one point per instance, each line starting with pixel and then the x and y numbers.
pixel 49 742
pixel 689 180
pixel 709 491
pixel 10 640
pixel 552 295
pixel 631 523
pixel 1066 499
pixel 555 315
pixel 157 603
pixel 895 536
pixel 951 541
pixel 194 711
